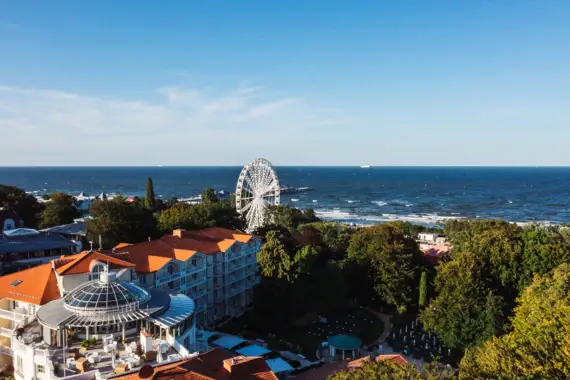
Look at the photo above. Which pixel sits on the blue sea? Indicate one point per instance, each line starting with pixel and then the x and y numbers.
pixel 426 195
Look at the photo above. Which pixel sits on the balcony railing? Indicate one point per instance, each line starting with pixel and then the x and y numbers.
pixel 14 316
pixel 6 350
pixel 6 332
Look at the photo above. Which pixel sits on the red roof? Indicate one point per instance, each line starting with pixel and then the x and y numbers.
pixel 215 364
pixel 37 285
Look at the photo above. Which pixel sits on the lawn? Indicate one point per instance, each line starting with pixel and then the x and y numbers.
pixel 308 338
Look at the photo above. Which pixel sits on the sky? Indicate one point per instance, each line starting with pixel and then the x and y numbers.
pixel 319 82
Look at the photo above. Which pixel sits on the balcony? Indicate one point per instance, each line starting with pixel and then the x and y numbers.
pixel 6 350
pixel 13 315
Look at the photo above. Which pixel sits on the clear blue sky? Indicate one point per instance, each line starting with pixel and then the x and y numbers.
pixel 319 82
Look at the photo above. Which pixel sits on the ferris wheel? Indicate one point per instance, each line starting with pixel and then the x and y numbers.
pixel 257 188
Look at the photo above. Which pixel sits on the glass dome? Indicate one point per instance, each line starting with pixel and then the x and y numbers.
pixel 101 295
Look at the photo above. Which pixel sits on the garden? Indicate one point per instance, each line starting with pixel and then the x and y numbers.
pixel 409 338
pixel 305 335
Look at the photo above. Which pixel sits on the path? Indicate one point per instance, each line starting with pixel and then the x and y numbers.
pixel 387 325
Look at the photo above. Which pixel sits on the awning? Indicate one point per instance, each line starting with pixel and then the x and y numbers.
pixel 181 307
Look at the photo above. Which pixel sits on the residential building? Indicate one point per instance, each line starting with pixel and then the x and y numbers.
pixel 46 311
pixel 217 267
pixel 24 247
pixel 215 364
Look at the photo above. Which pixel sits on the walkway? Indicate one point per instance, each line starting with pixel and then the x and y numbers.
pixel 387 325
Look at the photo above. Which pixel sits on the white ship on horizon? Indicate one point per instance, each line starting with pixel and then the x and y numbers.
pixel 365 166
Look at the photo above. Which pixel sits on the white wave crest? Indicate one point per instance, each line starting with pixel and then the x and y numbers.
pixel 380 203
pixel 424 219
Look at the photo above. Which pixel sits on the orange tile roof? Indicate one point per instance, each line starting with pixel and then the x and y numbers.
pixel 181 245
pixel 394 358
pixel 38 285
pixel 210 365
pixel 81 262
pixel 122 245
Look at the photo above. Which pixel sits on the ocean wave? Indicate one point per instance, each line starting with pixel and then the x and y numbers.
pixel 348 217
pixel 380 203
pixel 294 200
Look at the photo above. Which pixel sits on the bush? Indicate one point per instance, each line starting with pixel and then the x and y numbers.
pixel 85 344
pixel 93 341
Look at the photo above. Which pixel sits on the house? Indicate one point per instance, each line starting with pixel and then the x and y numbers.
pixel 9 220
pixel 217 267
pixel 25 247
pixel 215 364
pixel 433 238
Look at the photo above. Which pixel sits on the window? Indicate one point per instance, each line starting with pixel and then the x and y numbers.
pixel 171 270
pixel 194 262
pixel 40 368
pixel 170 285
pixel 183 280
pixel 142 279
pixel 96 270
pixel 16 283
pixel 19 364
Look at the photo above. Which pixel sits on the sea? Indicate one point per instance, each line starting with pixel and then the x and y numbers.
pixel 355 195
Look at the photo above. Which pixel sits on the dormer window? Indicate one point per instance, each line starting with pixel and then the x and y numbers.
pixel 171 270
pixel 96 270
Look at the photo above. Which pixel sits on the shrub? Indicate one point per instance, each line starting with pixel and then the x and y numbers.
pixel 93 341
pixel 85 344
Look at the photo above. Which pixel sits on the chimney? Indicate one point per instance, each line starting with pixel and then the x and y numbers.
pixel 178 232
pixel 238 367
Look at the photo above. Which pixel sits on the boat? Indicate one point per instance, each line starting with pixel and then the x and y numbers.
pixel 365 166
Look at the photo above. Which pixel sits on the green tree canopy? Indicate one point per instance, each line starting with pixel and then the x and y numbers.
pixel 150 200
pixel 209 196
pixel 273 259
pixel 203 215
pixel 117 221
pixel 391 260
pixel 388 370
pixel 61 209
pixel 25 205
pixel 465 311
pixel 538 346
pixel 287 217
pixel 423 290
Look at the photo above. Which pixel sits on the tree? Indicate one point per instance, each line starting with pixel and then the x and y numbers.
pixel 288 217
pixel 497 243
pixel 150 201
pixel 545 248
pixel 203 215
pixel 61 209
pixel 465 311
pixel 389 259
pixel 117 220
pixel 423 290
pixel 537 347
pixel 273 259
pixel 305 260
pixel 209 196
pixel 388 370
pixel 25 205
